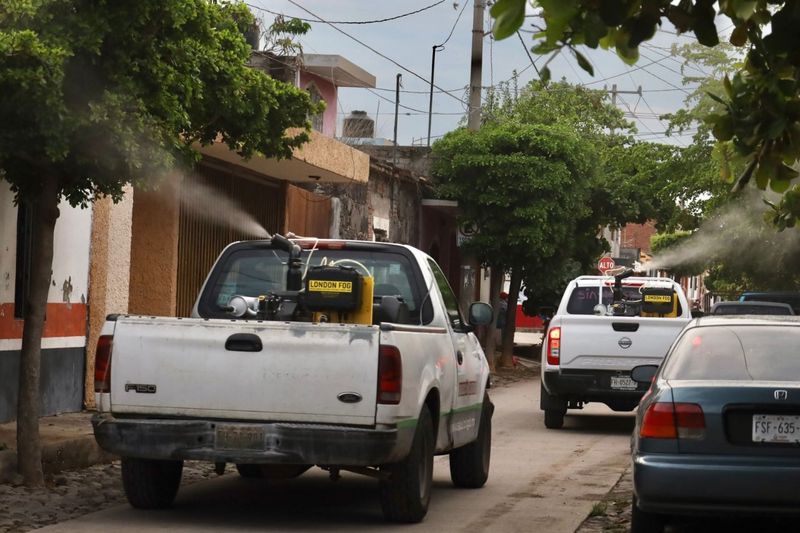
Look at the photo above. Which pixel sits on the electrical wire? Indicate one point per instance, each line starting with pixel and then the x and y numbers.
pixel 376 21
pixel 530 57
pixel 376 52
pixel 466 2
pixel 420 111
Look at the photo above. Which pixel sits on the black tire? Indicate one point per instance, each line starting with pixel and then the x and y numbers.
pixel 644 522
pixel 255 471
pixel 469 465
pixel 554 409
pixel 553 419
pixel 151 484
pixel 406 492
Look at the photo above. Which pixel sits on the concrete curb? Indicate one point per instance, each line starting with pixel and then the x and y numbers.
pixel 68 454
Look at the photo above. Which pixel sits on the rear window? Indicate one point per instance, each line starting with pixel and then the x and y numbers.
pixel 738 309
pixel 792 299
pixel 253 272
pixel 742 353
pixel 583 299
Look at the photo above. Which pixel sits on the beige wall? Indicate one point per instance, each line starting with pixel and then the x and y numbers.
pixel 154 249
pixel 109 272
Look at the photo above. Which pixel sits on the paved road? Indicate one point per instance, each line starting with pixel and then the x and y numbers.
pixel 541 480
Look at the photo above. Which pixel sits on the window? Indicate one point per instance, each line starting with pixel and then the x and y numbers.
pixel 740 353
pixel 253 272
pixel 583 299
pixel 22 283
pixel 318 120
pixel 450 300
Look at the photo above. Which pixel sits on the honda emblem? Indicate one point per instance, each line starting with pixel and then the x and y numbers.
pixel 781 394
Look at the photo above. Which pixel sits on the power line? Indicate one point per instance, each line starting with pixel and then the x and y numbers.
pixel 373 50
pixel 420 111
pixel 533 63
pixel 350 21
pixel 455 23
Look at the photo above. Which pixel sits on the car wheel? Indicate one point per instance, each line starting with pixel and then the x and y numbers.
pixel 151 484
pixel 406 491
pixel 644 522
pixel 554 409
pixel 256 471
pixel 469 465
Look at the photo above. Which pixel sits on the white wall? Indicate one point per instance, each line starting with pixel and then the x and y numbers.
pixel 70 250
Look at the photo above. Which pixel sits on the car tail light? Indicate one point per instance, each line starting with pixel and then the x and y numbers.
pixel 102 364
pixel 390 375
pixel 665 420
pixel 554 346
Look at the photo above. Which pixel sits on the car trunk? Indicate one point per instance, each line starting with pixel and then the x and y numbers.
pixel 615 343
pixel 732 409
pixel 245 370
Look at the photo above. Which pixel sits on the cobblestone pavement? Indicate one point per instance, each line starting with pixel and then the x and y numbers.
pixel 72 494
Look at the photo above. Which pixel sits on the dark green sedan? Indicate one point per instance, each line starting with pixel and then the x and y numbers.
pixel 719 430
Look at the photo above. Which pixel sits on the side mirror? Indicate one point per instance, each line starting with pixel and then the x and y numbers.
pixel 480 314
pixel 644 373
pixel 697 314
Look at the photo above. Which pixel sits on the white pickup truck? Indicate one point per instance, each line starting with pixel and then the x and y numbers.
pixel 347 355
pixel 605 326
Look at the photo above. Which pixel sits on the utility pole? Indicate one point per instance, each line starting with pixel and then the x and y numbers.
pixel 396 108
pixel 436 48
pixel 614 92
pixel 475 81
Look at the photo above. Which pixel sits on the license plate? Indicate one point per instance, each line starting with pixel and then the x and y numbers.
pixel 239 438
pixel 776 428
pixel 623 383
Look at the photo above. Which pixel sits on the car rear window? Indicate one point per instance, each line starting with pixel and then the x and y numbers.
pixel 739 309
pixel 741 353
pixel 583 299
pixel 253 272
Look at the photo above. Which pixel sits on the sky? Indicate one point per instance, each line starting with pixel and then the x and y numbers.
pixel 408 42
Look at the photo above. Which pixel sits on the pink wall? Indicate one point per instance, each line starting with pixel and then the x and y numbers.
pixel 328 92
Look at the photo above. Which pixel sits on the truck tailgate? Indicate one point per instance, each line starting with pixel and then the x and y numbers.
pixel 616 343
pixel 182 367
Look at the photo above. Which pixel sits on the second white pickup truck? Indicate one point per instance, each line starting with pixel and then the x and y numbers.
pixel 347 355
pixel 605 326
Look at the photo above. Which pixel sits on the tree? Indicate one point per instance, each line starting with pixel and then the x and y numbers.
pixel 630 182
pixel 760 109
pixel 97 95
pixel 522 186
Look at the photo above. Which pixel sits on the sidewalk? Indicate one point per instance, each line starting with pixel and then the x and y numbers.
pixel 67 443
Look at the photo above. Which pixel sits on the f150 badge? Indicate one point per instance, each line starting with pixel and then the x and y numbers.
pixel 143 388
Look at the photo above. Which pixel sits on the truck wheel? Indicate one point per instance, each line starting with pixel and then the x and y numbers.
pixel 406 492
pixel 644 522
pixel 554 409
pixel 256 471
pixel 469 465
pixel 151 484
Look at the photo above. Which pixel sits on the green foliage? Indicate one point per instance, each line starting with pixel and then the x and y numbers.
pixel 281 36
pixel 760 107
pixel 522 186
pixel 556 236
pixel 100 94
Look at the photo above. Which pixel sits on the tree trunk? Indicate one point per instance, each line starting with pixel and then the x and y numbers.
pixel 506 358
pixel 495 286
pixel 29 449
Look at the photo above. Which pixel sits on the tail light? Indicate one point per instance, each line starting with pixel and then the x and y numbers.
pixel 102 364
pixel 667 420
pixel 554 346
pixel 390 375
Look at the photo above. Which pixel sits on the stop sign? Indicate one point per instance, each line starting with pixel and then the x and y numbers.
pixel 605 264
